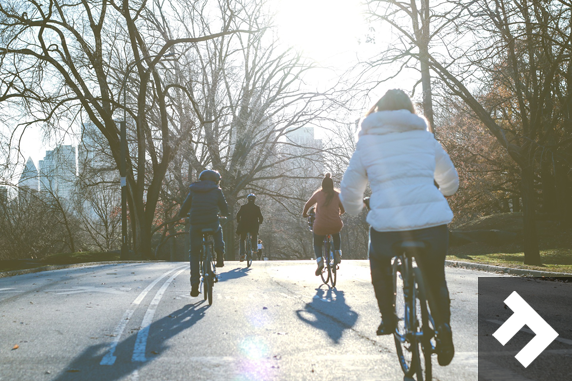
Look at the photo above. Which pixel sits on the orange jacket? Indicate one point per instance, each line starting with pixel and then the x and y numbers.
pixel 328 219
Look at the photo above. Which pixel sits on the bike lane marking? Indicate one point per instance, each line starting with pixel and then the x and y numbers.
pixel 143 334
pixel 109 358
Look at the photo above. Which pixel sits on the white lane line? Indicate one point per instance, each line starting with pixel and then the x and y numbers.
pixel 109 358
pixel 10 290
pixel 143 334
pixel 523 329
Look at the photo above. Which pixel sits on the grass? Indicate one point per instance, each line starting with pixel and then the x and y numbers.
pixel 81 257
pixel 60 259
pixel 554 260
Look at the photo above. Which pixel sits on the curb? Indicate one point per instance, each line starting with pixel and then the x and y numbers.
pixel 505 270
pixel 6 274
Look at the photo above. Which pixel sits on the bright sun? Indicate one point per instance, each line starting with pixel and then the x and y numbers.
pixel 322 29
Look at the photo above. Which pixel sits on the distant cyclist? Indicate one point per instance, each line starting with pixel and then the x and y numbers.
pixel 260 248
pixel 249 218
pixel 203 204
pixel 401 159
pixel 328 221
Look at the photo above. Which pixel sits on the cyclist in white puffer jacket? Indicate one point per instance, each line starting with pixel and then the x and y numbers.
pixel 402 161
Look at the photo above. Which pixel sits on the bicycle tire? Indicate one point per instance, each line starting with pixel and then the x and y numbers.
pixel 248 250
pixel 203 270
pixel 205 286
pixel 210 290
pixel 326 273
pixel 249 259
pixel 333 269
pixel 427 327
pixel 406 345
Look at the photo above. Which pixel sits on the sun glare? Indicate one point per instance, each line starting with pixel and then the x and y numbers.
pixel 321 29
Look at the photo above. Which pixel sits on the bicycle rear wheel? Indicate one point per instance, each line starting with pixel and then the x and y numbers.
pixel 248 250
pixel 204 277
pixel 326 271
pixel 333 269
pixel 205 285
pixel 210 289
pixel 427 327
pixel 406 343
pixel 249 258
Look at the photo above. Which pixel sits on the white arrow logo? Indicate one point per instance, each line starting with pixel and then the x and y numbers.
pixel 523 315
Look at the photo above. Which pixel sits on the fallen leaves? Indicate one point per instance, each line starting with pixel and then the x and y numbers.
pixel 15 347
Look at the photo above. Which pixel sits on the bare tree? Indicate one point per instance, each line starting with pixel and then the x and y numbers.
pixel 239 98
pixel 59 60
pixel 506 59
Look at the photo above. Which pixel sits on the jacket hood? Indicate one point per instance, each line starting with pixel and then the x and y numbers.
pixel 203 186
pixel 388 122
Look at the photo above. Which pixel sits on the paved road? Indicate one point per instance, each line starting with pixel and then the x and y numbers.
pixel 271 322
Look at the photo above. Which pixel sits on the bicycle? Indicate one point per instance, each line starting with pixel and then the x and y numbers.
pixel 248 250
pixel 415 309
pixel 329 272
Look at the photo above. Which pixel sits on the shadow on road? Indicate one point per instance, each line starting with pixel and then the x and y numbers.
pixel 329 312
pixel 233 274
pixel 87 366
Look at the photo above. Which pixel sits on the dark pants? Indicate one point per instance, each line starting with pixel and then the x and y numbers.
pixel 253 242
pixel 197 246
pixel 319 242
pixel 432 265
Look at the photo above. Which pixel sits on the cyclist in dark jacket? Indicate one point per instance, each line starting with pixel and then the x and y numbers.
pixel 202 205
pixel 248 218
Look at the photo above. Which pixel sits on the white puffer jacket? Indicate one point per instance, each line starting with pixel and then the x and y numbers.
pixel 400 158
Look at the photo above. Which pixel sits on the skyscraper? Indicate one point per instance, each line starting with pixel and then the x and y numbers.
pixel 58 171
pixel 29 181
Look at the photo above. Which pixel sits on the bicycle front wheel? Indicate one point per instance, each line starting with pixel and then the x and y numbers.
pixel 406 342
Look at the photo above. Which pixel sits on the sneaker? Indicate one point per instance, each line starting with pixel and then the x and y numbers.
pixel 320 267
pixel 444 348
pixel 195 290
pixel 337 257
pixel 220 263
pixel 242 258
pixel 386 328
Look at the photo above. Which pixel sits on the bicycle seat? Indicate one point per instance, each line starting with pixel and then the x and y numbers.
pixel 409 247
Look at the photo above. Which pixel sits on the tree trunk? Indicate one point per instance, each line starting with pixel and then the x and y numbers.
pixel 515 204
pixel 424 61
pixel 530 240
pixel 229 230
pixel 143 238
pixel 563 194
pixel 549 195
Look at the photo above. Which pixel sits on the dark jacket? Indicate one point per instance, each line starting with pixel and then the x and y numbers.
pixel 203 203
pixel 248 217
